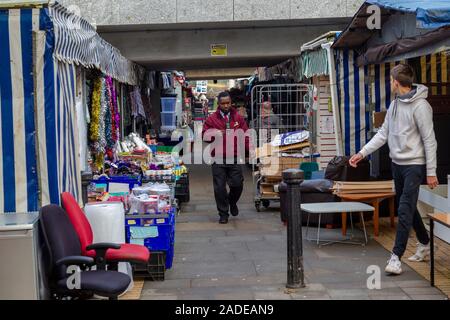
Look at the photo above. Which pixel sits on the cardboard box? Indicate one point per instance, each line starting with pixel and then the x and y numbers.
pixel 274 166
pixel 378 119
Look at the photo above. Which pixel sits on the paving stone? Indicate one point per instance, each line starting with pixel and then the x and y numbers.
pixel 197 218
pixel 429 297
pixel 167 284
pixel 210 247
pixel 191 239
pixel 198 226
pixel 337 293
pixel 200 233
pixel 239 295
pixel 272 295
pixel 412 283
pixel 312 297
pixel 422 291
pixel 389 297
pixel 386 292
pixel 238 238
pixel 213 269
pixel 277 278
pixel 203 256
pixel 260 255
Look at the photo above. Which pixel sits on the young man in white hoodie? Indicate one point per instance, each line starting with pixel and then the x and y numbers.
pixel 408 129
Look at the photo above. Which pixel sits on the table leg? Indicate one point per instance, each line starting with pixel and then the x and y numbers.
pixel 432 252
pixel 344 223
pixel 392 211
pixel 376 217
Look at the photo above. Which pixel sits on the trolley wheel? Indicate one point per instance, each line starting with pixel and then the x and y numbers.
pixel 258 206
pixel 266 203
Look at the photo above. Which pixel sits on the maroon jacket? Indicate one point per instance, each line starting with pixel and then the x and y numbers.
pixel 216 121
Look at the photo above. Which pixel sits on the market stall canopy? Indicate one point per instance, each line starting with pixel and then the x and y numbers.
pixel 77 42
pixel 408 28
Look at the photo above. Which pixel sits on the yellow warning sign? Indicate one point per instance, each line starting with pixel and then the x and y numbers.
pixel 219 50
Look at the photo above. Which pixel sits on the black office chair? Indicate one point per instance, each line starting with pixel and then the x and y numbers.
pixel 64 250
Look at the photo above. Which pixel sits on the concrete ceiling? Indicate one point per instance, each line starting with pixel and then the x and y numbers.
pixel 187 46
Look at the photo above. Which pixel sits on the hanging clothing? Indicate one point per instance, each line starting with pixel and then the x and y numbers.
pixel 137 106
pixel 150 79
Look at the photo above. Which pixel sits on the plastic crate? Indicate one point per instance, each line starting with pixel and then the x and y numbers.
pixel 168 104
pixel 168 119
pixel 183 180
pixel 164 239
pixel 132 182
pixel 155 269
pixel 183 197
pixel 166 149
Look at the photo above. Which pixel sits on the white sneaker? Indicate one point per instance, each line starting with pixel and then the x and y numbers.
pixel 394 265
pixel 423 251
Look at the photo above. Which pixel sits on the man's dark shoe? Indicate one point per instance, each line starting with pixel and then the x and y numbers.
pixel 234 209
pixel 223 220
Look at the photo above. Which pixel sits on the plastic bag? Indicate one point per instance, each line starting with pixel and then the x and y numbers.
pixel 336 167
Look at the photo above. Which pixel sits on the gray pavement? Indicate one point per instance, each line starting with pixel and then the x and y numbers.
pixel 246 259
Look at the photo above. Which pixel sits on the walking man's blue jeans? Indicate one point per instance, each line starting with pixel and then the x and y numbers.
pixel 407 185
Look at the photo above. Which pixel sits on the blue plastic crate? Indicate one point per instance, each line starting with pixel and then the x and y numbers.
pixel 168 104
pixel 132 182
pixel 156 232
pixel 168 119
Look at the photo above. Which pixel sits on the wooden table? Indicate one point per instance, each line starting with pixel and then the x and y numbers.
pixel 443 219
pixel 374 199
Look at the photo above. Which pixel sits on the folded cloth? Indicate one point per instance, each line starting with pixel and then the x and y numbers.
pixel 317 185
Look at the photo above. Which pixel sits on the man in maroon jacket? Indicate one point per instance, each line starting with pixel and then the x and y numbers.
pixel 227 124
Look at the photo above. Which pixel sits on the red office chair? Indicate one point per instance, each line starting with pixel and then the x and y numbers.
pixel 126 253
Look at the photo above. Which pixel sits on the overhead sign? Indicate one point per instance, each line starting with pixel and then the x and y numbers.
pixel 219 50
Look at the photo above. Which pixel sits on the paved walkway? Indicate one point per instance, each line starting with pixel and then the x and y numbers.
pixel 246 259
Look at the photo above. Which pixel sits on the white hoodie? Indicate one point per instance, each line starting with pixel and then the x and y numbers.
pixel 408 129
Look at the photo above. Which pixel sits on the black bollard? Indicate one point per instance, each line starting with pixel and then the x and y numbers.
pixel 86 178
pixel 295 273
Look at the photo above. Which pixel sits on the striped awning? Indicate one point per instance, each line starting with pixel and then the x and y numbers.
pixel 314 63
pixel 353 90
pixel 77 42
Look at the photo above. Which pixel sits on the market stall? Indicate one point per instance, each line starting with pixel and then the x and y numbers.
pixel 363 60
pixel 146 179
pixel 41 58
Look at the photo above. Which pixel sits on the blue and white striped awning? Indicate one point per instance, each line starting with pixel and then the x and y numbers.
pixel 353 97
pixel 77 42
pixel 353 90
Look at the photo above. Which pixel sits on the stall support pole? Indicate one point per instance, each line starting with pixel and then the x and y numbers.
pixel 295 270
pixel 86 178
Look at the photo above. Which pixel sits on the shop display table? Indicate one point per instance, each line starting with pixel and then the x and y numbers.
pixel 374 199
pixel 336 207
pixel 444 220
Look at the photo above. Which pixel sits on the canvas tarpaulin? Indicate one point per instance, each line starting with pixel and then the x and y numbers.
pixel 358 87
pixel 429 13
pixel 38 135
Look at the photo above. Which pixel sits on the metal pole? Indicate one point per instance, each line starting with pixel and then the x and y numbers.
pixel 295 272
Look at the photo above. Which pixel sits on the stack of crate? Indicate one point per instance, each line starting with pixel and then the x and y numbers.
pixel 182 192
